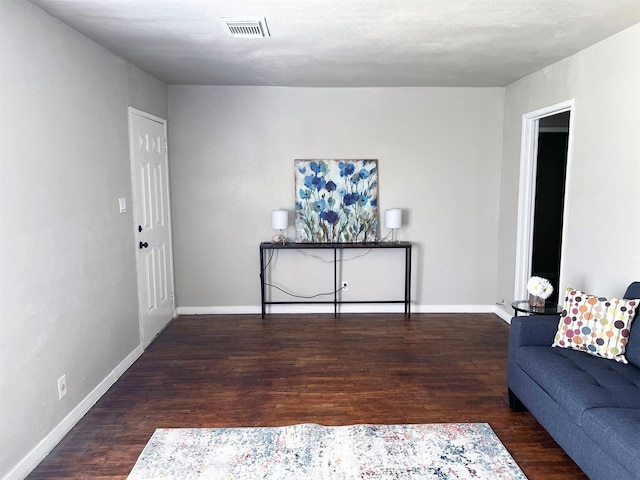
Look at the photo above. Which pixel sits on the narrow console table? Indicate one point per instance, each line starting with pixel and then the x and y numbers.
pixel 269 246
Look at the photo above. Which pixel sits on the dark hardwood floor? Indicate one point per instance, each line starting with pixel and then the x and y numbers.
pixel 240 370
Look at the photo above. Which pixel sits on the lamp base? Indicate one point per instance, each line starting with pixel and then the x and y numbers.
pixel 393 236
pixel 279 237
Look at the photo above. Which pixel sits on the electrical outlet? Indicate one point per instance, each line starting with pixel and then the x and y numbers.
pixel 62 387
pixel 345 286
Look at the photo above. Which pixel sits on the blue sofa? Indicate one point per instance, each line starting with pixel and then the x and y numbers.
pixel 589 405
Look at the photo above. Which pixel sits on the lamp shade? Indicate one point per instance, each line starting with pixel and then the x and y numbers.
pixel 393 218
pixel 279 219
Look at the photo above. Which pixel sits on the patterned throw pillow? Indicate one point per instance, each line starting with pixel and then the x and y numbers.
pixel 596 325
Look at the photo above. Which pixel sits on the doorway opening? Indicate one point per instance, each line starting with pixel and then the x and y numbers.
pixel 541 212
pixel 548 212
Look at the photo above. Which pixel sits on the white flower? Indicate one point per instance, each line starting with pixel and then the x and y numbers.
pixel 540 287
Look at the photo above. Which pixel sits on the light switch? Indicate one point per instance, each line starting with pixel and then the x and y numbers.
pixel 123 205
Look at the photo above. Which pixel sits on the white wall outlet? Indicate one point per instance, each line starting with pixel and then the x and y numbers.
pixel 344 286
pixel 62 387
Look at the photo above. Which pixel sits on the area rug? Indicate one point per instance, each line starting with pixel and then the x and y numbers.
pixel 310 452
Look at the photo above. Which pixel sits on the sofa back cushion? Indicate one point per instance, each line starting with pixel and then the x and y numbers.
pixel 633 347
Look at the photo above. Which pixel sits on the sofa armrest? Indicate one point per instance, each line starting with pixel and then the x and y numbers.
pixel 533 330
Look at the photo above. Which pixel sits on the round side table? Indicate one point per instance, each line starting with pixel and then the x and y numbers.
pixel 524 307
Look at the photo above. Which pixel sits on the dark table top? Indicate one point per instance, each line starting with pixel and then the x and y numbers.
pixel 548 309
pixel 303 245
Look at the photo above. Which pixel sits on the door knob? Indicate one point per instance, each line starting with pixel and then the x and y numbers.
pixel 143 244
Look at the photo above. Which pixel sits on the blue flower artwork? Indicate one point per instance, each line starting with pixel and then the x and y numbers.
pixel 336 201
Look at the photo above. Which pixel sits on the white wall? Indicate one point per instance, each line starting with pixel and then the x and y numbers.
pixel 601 247
pixel 68 302
pixel 232 151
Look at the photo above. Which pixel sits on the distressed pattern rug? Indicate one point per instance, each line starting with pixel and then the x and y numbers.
pixel 310 452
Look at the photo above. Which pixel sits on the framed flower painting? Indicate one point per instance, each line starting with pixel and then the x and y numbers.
pixel 336 201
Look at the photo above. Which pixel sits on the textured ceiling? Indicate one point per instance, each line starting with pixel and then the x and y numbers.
pixel 347 43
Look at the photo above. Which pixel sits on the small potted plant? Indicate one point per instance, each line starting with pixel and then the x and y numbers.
pixel 539 290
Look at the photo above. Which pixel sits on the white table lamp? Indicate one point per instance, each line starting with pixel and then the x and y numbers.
pixel 393 221
pixel 280 222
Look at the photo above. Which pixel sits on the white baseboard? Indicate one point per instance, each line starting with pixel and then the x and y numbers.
pixel 218 310
pixel 453 309
pixel 323 308
pixel 346 308
pixel 40 451
pixel 504 312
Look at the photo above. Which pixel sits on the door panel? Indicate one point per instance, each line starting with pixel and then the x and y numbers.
pixel 152 223
pixel 149 269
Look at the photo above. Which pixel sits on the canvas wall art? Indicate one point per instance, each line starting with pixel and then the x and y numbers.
pixel 336 201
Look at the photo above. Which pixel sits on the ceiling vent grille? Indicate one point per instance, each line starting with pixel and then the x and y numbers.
pixel 246 27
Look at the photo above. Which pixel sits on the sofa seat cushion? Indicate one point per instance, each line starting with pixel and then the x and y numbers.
pixel 616 430
pixel 578 381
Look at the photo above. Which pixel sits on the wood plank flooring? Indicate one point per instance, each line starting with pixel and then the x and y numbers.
pixel 240 370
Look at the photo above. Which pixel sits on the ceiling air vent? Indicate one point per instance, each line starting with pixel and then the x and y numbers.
pixel 246 27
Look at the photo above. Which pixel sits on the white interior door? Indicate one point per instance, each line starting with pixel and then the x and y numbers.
pixel 152 223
